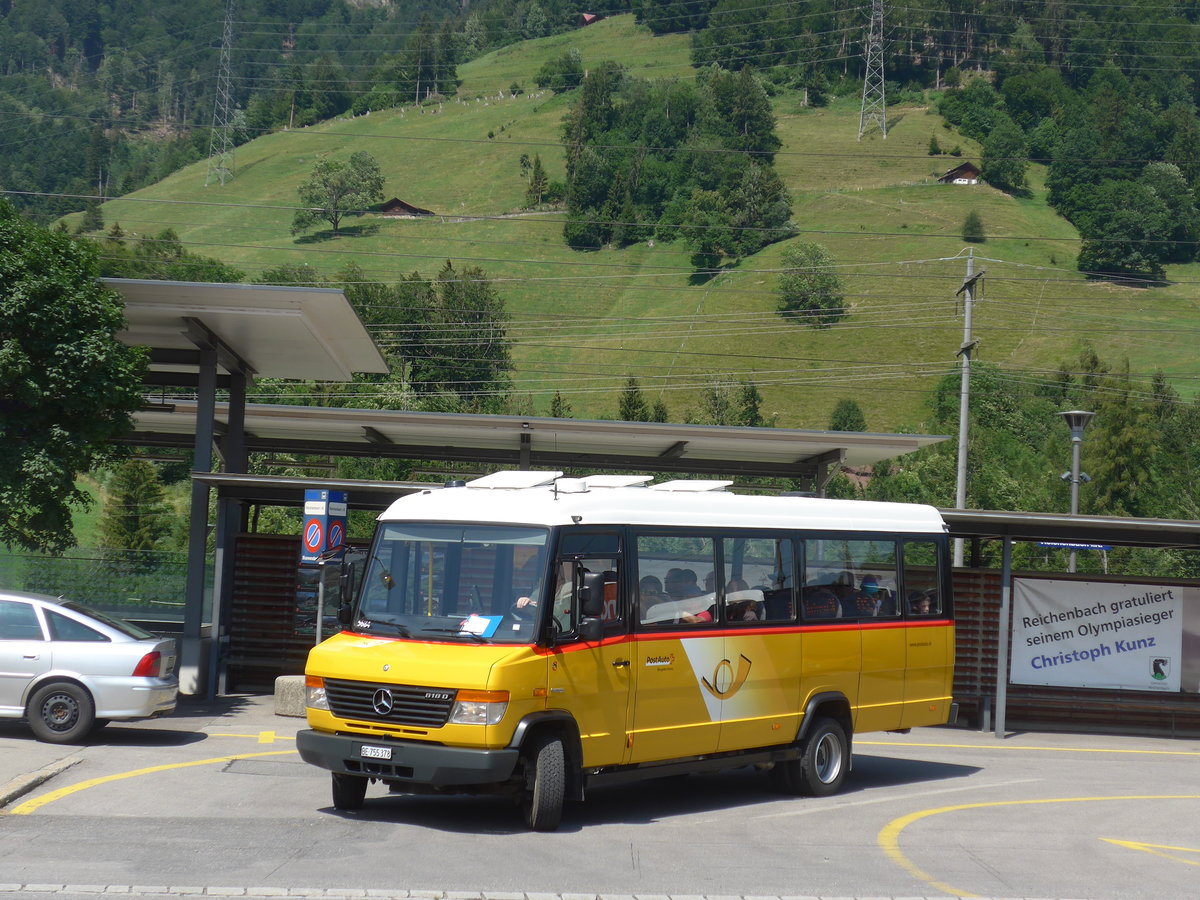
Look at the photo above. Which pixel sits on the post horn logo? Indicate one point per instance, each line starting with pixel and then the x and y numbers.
pixel 724 682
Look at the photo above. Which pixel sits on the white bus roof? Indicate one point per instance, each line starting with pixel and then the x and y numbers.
pixel 547 499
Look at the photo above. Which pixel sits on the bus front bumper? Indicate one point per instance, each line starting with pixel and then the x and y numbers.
pixel 406 762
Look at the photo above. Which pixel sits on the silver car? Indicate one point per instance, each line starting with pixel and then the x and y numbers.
pixel 70 670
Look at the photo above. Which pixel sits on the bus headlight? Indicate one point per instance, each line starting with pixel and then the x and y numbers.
pixel 314 692
pixel 479 707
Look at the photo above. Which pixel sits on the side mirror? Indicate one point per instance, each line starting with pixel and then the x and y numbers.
pixel 352 568
pixel 591 595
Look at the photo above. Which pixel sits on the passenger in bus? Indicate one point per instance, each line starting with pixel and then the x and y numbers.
pixel 682 584
pixel 650 595
pixel 740 609
pixel 921 603
pixel 865 601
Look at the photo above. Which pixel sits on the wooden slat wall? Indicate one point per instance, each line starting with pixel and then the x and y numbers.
pixel 262 639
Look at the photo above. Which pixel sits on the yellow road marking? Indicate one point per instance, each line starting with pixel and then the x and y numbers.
pixel 1157 850
pixel 37 803
pixel 861 743
pixel 889 836
pixel 263 737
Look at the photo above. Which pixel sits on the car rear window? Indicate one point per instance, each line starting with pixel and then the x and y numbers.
pixel 126 628
pixel 64 628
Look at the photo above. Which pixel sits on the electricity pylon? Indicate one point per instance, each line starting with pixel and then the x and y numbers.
pixel 874 102
pixel 220 141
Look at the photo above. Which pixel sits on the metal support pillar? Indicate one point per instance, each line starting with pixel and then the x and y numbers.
pixel 1002 636
pixel 191 655
pixel 229 523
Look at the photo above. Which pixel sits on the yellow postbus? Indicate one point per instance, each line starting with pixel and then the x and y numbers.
pixel 537 636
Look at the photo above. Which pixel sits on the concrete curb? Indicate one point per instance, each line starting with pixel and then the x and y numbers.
pixel 23 784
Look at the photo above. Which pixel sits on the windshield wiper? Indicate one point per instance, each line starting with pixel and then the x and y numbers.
pixel 477 638
pixel 400 628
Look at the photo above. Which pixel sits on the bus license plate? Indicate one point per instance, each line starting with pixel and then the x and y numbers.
pixel 369 752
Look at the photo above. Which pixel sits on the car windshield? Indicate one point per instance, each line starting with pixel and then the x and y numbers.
pixel 452 582
pixel 126 628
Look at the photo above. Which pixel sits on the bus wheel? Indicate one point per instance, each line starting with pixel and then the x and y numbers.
pixel 822 765
pixel 349 791
pixel 545 783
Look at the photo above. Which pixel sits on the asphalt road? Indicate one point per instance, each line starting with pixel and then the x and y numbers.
pixel 214 801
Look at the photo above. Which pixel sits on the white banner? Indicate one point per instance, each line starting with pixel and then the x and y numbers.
pixel 1098 634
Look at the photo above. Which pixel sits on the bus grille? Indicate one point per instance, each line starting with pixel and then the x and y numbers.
pixel 395 704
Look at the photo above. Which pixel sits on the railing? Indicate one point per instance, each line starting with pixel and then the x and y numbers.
pixel 133 584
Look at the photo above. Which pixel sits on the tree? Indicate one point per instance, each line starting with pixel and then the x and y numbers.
pixel 1005 156
pixel 135 515
pixel 810 292
pixel 560 407
pixel 972 228
pixel 464 348
pixel 68 387
pixel 563 73
pixel 632 405
pixel 1126 230
pixel 537 182
pixel 336 189
pixel 847 416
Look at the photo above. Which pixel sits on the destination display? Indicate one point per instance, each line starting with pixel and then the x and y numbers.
pixel 1105 635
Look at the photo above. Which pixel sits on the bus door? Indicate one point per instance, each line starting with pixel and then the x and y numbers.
pixel 591 681
pixel 757 678
pixel 677 645
pixel 930 637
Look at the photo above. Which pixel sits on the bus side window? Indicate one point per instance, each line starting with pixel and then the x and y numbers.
pixel 922 597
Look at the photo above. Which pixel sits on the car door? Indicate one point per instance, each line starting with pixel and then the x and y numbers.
pixel 24 652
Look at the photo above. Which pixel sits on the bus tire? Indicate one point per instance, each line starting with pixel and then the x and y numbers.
pixel 822 766
pixel 349 791
pixel 545 782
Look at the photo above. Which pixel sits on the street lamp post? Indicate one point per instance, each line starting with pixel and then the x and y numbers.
pixel 1077 420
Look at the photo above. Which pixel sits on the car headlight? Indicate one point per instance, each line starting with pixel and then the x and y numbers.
pixel 479 707
pixel 314 692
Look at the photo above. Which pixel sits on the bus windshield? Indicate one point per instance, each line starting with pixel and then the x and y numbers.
pixel 451 582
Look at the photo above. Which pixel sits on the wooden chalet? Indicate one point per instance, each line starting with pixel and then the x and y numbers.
pixel 398 209
pixel 964 173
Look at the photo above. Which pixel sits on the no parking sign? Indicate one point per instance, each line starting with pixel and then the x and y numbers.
pixel 324 535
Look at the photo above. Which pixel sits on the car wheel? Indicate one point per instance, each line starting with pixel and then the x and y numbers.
pixel 61 713
pixel 822 765
pixel 545 783
pixel 349 791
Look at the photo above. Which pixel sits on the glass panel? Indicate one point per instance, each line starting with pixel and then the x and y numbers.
pixel 922 597
pixel 759 586
pixel 459 581
pixel 126 628
pixel 670 569
pixel 19 622
pixel 847 578
pixel 64 629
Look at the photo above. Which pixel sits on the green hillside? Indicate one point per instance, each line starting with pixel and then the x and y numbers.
pixel 584 322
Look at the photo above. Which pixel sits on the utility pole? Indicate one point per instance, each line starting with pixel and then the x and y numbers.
pixel 964 395
pixel 220 141
pixel 874 101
